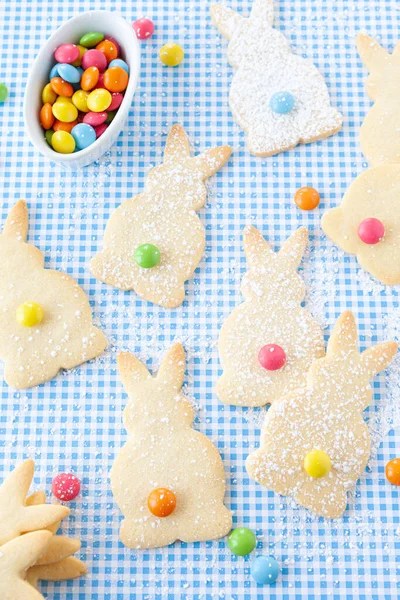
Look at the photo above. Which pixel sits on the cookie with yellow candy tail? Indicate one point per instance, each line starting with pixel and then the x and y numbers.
pixel 45 317
pixel 315 443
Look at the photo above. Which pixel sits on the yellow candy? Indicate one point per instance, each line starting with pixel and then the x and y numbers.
pixel 99 100
pixel 64 99
pixel 171 55
pixel 317 463
pixel 29 314
pixel 48 95
pixel 78 61
pixel 65 112
pixel 79 99
pixel 63 142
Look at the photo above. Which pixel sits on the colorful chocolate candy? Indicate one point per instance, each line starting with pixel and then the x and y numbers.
pixel 29 314
pixel 272 357
pixel 265 570
pixel 161 502
pixel 307 198
pixel 3 92
pixel 144 28
pixel 242 541
pixel 317 463
pixel 85 89
pixel 282 103
pixel 171 55
pixel 371 231
pixel 393 471
pixel 147 256
pixel 66 487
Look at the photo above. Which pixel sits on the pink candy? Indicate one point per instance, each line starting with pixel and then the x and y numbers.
pixel 371 231
pixel 116 101
pixel 66 487
pixel 100 130
pixel 272 357
pixel 94 119
pixel 67 53
pixel 100 83
pixel 144 28
pixel 94 58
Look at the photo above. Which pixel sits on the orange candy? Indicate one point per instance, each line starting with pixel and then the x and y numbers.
pixel 161 502
pixel 46 116
pixel 90 78
pixel 116 79
pixel 60 126
pixel 393 471
pixel 61 87
pixel 307 198
pixel 109 49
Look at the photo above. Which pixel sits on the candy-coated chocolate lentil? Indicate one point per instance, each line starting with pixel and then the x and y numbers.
pixel 84 135
pixel 91 39
pixel 242 541
pixel 29 314
pixel 48 94
pixel 60 126
pixel 116 79
pixel 265 570
pixel 64 100
pixel 61 87
pixel 161 502
pixel 46 116
pixel 67 53
pixel 100 83
pixel 89 78
pixel 69 73
pixel 48 135
pixel 78 61
pixel 114 41
pixel 109 49
pixel 147 256
pixel 94 58
pixel 65 111
pixel 171 55
pixel 371 231
pixel 63 142
pixel 110 116
pixel 118 62
pixel 54 72
pixel 3 92
pixel 100 130
pixel 393 471
pixel 79 99
pixel 116 101
pixel 317 463
pixel 66 487
pixel 95 119
pixel 272 357
pixel 282 103
pixel 99 100
pixel 144 28
pixel 307 198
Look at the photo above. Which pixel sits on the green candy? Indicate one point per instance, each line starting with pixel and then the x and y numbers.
pixel 242 541
pixel 147 256
pixel 110 116
pixel 3 92
pixel 48 135
pixel 91 39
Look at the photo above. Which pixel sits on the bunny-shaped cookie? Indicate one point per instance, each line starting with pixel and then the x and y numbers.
pixel 379 134
pixel 162 216
pixel 325 416
pixel 265 67
pixel 65 337
pixel 271 314
pixel 164 451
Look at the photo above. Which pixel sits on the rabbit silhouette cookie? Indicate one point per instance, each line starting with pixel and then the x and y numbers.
pixel 168 479
pixel 268 342
pixel 278 98
pixel 45 317
pixel 154 242
pixel 314 442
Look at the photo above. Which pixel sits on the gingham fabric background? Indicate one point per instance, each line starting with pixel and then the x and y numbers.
pixel 74 422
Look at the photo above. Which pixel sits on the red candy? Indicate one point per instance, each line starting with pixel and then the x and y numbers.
pixel 94 119
pixel 144 28
pixel 272 357
pixel 67 53
pixel 100 130
pixel 66 487
pixel 116 101
pixel 371 231
pixel 94 58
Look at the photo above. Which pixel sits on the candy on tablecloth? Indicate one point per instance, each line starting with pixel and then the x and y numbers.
pixel 144 28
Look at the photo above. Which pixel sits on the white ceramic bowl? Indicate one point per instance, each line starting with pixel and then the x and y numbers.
pixel 111 24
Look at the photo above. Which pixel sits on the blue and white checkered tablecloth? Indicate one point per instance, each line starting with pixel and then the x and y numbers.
pixel 74 422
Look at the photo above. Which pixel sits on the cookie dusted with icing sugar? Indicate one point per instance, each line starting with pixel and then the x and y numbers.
pixel 168 479
pixel 154 242
pixel 278 98
pixel 314 441
pixel 268 342
pixel 45 317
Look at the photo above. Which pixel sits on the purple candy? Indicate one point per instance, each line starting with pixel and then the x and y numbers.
pixel 95 119
pixel 66 53
pixel 116 101
pixel 94 58
pixel 100 130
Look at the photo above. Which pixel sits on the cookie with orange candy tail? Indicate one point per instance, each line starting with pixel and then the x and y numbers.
pixel 314 441
pixel 45 317
pixel 168 479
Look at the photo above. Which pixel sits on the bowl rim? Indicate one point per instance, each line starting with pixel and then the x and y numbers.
pixel 120 116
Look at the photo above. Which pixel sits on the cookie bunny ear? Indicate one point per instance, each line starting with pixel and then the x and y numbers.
pixel 256 248
pixel 371 53
pixel 177 144
pixel 63 570
pixel 263 10
pixel 172 369
pixel 211 161
pixel 293 249
pixel 131 370
pixel 344 336
pixel 225 19
pixel 16 224
pixel 378 357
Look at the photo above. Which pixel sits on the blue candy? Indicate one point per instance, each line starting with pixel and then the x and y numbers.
pixel 117 62
pixel 69 73
pixel 54 71
pixel 265 569
pixel 282 103
pixel 84 135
